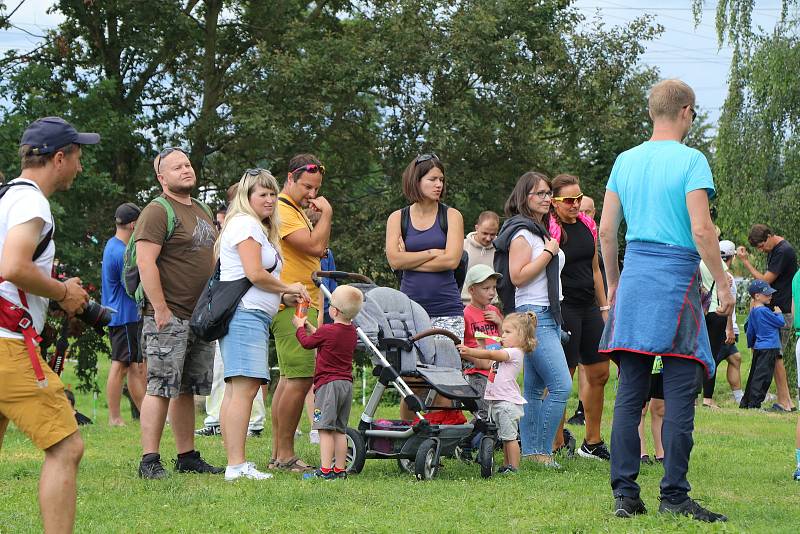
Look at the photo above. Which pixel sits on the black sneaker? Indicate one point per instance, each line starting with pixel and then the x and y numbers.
pixel 318 474
pixel 690 508
pixel 568 447
pixel 578 419
pixel 646 460
pixel 212 430
pixel 152 470
pixel 193 463
pixel 340 474
pixel 598 451
pixel 628 506
pixel 254 432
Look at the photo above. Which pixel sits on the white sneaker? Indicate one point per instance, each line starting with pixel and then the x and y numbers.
pixel 248 470
pixel 770 397
pixel 313 437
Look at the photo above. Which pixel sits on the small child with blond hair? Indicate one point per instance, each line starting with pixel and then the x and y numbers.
pixel 502 390
pixel 333 377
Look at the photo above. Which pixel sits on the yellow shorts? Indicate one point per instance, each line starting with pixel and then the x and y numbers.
pixel 43 414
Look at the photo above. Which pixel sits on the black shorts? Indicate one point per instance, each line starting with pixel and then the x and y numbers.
pixel 728 350
pixel 585 325
pixel 125 343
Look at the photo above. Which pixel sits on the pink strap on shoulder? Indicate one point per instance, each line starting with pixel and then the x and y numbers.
pixel 590 224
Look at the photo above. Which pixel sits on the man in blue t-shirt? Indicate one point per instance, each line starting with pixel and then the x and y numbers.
pixel 661 188
pixel 123 330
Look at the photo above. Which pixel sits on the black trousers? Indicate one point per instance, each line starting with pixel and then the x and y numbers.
pixel 715 324
pixel 680 390
pixel 760 377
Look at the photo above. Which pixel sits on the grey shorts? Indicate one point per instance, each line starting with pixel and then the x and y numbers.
pixel 332 406
pixel 506 416
pixel 178 362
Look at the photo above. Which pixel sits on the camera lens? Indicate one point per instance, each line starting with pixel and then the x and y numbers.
pixel 95 314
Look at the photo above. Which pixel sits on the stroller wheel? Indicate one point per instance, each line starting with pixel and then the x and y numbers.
pixel 427 461
pixel 356 451
pixel 486 456
pixel 406 465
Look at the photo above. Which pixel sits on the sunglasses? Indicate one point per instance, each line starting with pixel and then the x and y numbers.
pixel 694 113
pixel 256 171
pixel 166 152
pixel 569 201
pixel 541 194
pixel 313 168
pixel 425 157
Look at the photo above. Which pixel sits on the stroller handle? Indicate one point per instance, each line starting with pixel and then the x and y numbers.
pixel 338 275
pixel 437 332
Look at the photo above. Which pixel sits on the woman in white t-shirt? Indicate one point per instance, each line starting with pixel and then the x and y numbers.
pixel 249 246
pixel 545 367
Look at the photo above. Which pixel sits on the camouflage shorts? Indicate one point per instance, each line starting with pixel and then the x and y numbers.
pixel 177 361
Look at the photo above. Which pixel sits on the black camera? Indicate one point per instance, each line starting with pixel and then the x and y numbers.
pixel 96 315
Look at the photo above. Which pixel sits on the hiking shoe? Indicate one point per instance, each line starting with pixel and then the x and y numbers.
pixel 628 506
pixel 212 430
pixel 318 474
pixel 254 432
pixel 193 463
pixel 340 474
pixel 597 451
pixel 152 470
pixel 568 446
pixel 248 470
pixel 690 508
pixel 507 470
pixel 578 419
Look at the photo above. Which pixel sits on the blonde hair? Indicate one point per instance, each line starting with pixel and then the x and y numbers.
pixel 348 300
pixel 668 98
pixel 240 205
pixel 525 325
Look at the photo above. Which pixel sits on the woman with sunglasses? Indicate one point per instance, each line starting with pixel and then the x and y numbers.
pixel 584 308
pixel 249 246
pixel 534 264
pixel 426 255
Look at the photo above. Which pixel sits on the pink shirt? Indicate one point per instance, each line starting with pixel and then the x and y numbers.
pixel 502 385
pixel 474 322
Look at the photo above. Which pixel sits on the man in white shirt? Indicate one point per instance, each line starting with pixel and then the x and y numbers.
pixel 32 395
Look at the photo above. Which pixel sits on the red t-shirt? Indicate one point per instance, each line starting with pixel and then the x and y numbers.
pixel 335 343
pixel 475 322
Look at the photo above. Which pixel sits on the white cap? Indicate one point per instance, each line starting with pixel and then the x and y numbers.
pixel 727 248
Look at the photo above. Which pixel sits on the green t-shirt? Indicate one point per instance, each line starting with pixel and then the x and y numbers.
pixel 796 300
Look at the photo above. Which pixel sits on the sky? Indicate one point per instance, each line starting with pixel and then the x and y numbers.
pixel 682 51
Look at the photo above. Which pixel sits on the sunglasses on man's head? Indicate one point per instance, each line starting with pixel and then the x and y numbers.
pixel 425 157
pixel 166 152
pixel 569 201
pixel 313 168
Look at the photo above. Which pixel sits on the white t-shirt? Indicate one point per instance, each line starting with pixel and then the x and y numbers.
pixel 535 292
pixel 19 205
pixel 238 229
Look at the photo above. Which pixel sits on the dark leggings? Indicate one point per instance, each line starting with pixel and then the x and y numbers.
pixel 716 335
pixel 760 377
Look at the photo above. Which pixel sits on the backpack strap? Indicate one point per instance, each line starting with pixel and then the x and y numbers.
pixel 405 221
pixel 441 219
pixel 205 207
pixel 164 203
pixel 288 203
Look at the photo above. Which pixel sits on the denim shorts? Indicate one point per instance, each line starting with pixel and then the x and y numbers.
pixel 245 348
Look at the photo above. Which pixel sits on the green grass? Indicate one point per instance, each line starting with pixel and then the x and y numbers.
pixel 741 466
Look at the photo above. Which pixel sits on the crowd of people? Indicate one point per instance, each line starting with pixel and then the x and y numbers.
pixel 543 294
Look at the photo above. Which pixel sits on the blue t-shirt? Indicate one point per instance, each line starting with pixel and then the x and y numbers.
pixel 763 328
pixel 112 294
pixel 652 181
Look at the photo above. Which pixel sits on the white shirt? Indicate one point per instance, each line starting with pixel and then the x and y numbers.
pixel 238 229
pixel 535 291
pixel 19 205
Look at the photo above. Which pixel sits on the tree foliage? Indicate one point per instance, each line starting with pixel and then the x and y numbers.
pixel 495 88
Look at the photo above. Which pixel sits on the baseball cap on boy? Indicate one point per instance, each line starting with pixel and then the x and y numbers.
pixel 48 134
pixel 760 286
pixel 727 248
pixel 479 273
pixel 127 213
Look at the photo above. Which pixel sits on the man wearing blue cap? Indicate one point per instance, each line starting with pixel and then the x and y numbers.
pixel 32 395
pixel 763 329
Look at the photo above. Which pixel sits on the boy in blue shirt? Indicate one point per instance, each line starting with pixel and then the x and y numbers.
pixel 764 338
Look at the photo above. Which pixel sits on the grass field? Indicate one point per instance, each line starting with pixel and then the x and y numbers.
pixel 741 466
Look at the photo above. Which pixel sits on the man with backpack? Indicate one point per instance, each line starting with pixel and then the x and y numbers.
pixel 31 394
pixel 174 250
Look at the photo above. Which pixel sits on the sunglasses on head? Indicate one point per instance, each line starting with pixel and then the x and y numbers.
pixel 256 171
pixel 569 201
pixel 425 157
pixel 166 152
pixel 313 168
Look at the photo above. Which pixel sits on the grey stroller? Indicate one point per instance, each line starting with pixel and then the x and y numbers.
pixel 395 332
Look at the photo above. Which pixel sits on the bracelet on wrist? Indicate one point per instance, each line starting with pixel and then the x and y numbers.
pixel 66 292
pixel 551 254
pixel 605 308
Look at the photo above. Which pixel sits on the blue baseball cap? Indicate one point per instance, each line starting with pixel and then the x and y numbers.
pixel 48 134
pixel 760 286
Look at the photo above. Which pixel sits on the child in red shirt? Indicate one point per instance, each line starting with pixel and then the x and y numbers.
pixel 485 320
pixel 333 377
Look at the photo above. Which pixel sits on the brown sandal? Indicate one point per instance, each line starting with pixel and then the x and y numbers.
pixel 294 465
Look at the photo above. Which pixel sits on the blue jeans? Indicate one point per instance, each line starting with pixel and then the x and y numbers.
pixel 545 367
pixel 245 347
pixel 680 387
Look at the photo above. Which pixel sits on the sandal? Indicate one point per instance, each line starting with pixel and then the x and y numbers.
pixel 294 465
pixel 272 463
